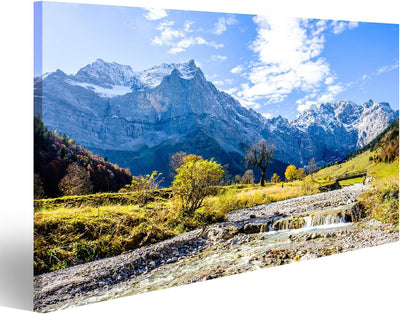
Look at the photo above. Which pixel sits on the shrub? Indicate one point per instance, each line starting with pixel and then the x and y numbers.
pixel 248 177
pixel 382 201
pixel 195 179
pixel 275 178
pixel 308 186
pixel 144 185
pixel 301 173
pixel 76 181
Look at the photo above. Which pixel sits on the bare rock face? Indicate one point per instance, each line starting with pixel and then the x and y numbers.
pixel 374 119
pixel 139 119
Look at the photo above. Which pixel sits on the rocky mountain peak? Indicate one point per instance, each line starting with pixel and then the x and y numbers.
pixel 368 104
pixel 153 77
pixel 105 73
pixel 374 118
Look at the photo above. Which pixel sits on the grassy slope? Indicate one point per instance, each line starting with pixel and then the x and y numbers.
pixel 359 163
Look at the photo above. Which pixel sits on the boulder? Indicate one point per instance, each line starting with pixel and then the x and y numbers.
pixel 216 233
pixel 355 213
pixel 295 222
pixel 251 228
pixel 330 187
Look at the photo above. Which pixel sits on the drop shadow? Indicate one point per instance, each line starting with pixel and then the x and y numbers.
pixel 16 273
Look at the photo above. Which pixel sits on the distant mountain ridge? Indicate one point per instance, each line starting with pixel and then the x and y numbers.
pixel 139 119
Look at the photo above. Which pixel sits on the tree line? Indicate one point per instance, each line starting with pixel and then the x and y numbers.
pixel 196 178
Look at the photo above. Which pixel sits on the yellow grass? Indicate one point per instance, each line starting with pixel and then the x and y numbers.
pixel 231 198
pixel 68 236
pixel 358 163
pixel 380 201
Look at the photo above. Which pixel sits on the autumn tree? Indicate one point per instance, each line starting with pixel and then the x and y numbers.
pixel 248 177
pixel 195 179
pixel 301 173
pixel 175 162
pixel 275 178
pixel 178 159
pixel 238 179
pixel 76 181
pixel 259 155
pixel 291 172
pixel 145 184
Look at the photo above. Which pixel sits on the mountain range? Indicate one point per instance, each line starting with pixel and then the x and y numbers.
pixel 140 119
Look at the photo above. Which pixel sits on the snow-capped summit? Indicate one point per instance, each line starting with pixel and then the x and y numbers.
pixel 105 74
pixel 328 115
pixel 375 117
pixel 153 77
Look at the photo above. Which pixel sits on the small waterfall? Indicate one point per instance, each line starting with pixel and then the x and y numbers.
pixel 315 220
pixel 323 220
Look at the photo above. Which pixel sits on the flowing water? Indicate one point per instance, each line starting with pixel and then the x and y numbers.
pixel 239 254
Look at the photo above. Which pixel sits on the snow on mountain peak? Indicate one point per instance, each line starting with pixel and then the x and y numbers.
pixel 110 79
pixel 105 73
pixel 153 77
pixel 375 117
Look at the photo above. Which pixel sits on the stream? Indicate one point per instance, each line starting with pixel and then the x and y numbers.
pixel 239 254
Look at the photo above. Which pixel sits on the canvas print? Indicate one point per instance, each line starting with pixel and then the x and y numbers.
pixel 173 147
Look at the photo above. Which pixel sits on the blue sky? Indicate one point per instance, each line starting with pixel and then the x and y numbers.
pixel 277 66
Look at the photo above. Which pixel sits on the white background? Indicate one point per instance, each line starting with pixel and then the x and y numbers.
pixel 365 281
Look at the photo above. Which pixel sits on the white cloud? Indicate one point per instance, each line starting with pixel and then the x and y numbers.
pixel 329 95
pixel 352 25
pixel 388 68
pixel 187 26
pixel 155 14
pixel 329 80
pixel 219 58
pixel 331 92
pixel 238 69
pixel 305 106
pixel 267 115
pixel 224 82
pixel 223 22
pixel 179 39
pixel 168 35
pixel 231 91
pixel 339 27
pixel 288 60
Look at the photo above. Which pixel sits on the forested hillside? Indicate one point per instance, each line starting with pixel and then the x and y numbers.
pixel 63 168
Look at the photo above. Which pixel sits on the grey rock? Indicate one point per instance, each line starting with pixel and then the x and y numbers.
pixel 251 228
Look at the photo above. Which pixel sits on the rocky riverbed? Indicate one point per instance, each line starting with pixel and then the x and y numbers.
pixel 246 241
